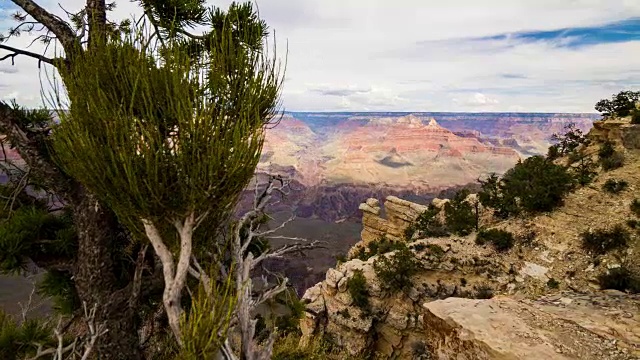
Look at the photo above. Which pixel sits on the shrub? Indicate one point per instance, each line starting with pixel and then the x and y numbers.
pixel 602 241
pixel 492 195
pixel 584 171
pixel 568 142
pixel 380 246
pixel 553 283
pixel 395 271
pixel 622 279
pixel 633 223
pixel 19 340
pixel 635 207
pixel 635 117
pixel 358 289
pixel 500 239
pixel 610 159
pixel 428 225
pixel 621 104
pixel 614 186
pixel 533 185
pixel 553 152
pixel 460 218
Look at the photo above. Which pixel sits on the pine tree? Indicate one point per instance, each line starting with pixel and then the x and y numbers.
pixel 89 246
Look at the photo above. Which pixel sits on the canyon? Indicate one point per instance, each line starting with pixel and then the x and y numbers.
pixel 337 160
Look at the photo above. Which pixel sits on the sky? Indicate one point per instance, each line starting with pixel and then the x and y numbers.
pixel 420 55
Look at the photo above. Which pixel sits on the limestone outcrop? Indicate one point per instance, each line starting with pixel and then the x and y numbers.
pixel 561 326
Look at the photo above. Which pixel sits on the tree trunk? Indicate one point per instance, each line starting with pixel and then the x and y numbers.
pixel 96 280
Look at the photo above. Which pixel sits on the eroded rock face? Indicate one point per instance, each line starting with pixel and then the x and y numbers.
pixel 565 326
pixel 617 130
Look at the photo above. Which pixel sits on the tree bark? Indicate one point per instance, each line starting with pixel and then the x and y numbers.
pixel 96 282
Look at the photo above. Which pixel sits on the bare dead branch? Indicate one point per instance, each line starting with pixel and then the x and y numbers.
pixel 17 52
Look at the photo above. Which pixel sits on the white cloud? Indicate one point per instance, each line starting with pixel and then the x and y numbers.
pixel 480 99
pixel 408 54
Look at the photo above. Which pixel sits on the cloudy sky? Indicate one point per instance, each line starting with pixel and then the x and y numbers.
pixel 423 55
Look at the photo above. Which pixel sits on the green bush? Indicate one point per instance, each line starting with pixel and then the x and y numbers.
pixel 553 283
pixel 460 217
pixel 635 117
pixel 500 239
pixel 602 241
pixel 359 291
pixel 622 279
pixel 533 185
pixel 614 186
pixel 19 340
pixel 635 207
pixel 428 225
pixel 493 195
pixel 395 271
pixel 583 169
pixel 609 158
pixel 380 246
pixel 553 152
pixel 568 142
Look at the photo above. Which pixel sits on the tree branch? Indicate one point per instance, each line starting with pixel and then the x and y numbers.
pixel 17 52
pixel 63 32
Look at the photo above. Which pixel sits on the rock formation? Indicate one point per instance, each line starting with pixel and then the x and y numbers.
pixel 547 304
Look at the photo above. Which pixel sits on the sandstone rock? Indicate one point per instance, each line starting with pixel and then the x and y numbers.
pixel 502 328
pixel 535 271
pixel 439 203
pixel 333 277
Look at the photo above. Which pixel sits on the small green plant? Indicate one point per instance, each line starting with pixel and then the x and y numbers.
pixel 19 340
pixel 614 186
pixel 395 271
pixel 500 239
pixel 584 169
pixel 380 246
pixel 358 289
pixel 609 158
pixel 622 279
pixel 602 241
pixel 635 207
pixel 428 224
pixel 436 250
pixel 460 218
pixel 553 283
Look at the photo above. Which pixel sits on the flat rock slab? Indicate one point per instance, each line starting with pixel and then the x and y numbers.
pixel 504 328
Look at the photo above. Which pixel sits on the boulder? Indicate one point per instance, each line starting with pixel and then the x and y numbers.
pixel 504 328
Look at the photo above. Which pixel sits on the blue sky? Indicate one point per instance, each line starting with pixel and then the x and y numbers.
pixel 429 55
